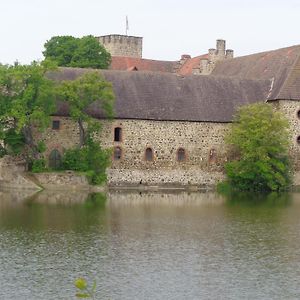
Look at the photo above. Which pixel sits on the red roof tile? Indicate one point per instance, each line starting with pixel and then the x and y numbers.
pixel 141 64
pixel 190 64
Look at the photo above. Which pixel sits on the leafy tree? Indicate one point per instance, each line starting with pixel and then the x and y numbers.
pixel 85 52
pixel 260 141
pixel 80 94
pixel 61 49
pixel 27 99
pixel 90 54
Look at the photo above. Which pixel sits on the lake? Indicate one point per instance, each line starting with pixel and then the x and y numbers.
pixel 150 245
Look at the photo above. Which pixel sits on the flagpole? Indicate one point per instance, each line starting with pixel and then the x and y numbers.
pixel 127 25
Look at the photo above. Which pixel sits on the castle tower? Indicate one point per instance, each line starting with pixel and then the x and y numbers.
pixel 122 45
pixel 214 55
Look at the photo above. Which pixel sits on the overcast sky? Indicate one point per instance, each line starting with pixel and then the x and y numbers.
pixel 169 27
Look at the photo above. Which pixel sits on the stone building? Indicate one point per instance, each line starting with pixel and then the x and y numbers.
pixel 126 52
pixel 169 127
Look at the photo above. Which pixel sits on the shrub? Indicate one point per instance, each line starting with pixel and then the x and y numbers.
pixel 91 159
pixel 259 138
pixel 39 165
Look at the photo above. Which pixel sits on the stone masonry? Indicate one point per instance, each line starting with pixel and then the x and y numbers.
pixel 203 143
pixel 122 45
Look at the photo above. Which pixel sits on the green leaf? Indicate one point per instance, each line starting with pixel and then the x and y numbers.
pixel 83 295
pixel 81 283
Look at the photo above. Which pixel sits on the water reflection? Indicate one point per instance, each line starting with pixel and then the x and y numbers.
pixel 53 210
pixel 247 199
pixel 150 245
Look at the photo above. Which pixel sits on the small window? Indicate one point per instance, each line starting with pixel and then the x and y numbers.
pixel 212 155
pixel 298 139
pixel 118 134
pixel 54 159
pixel 181 154
pixel 55 124
pixel 298 113
pixel 149 154
pixel 117 153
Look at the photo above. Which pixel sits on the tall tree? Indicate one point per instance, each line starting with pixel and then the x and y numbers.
pixel 260 140
pixel 27 99
pixel 80 94
pixel 85 52
pixel 61 49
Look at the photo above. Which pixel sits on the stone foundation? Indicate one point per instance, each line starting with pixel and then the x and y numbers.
pixel 197 178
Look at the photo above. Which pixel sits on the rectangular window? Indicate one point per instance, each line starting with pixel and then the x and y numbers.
pixel 55 124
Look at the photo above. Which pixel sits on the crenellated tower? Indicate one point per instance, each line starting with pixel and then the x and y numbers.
pixel 122 45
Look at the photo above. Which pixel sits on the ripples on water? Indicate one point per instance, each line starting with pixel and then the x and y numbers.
pixel 150 245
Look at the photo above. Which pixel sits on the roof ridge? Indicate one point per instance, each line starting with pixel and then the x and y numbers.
pixel 266 52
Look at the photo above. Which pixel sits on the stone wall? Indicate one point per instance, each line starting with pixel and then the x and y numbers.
pixel 203 143
pixel 13 174
pixel 62 179
pixel 122 45
pixel 291 110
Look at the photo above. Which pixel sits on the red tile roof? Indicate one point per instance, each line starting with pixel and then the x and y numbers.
pixel 141 64
pixel 190 64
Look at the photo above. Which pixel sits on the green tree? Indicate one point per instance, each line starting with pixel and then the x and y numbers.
pixel 61 49
pixel 85 52
pixel 80 94
pixel 27 99
pixel 259 142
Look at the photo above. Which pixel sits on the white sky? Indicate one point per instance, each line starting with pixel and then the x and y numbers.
pixel 169 27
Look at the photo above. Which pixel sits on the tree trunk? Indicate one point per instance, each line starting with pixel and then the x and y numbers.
pixel 81 134
pixel 29 141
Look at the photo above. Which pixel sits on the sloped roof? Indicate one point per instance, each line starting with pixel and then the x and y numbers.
pixel 277 65
pixel 163 96
pixel 141 64
pixel 291 87
pixel 190 64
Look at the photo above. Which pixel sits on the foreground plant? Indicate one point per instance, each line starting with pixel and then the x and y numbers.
pixel 259 143
pixel 83 290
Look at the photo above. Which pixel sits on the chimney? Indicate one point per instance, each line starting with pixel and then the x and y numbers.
pixel 221 46
pixel 229 53
pixel 185 56
pixel 212 51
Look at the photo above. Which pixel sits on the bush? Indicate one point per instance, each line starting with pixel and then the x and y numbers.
pixel 91 159
pixel 259 138
pixel 14 142
pixel 39 165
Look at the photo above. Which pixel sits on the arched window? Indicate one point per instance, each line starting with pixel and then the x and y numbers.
pixel 149 154
pixel 298 113
pixel 118 134
pixel 117 153
pixel 298 139
pixel 54 159
pixel 181 154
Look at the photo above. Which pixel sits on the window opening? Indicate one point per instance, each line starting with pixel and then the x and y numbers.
pixel 118 134
pixel 117 153
pixel 55 124
pixel 181 154
pixel 212 156
pixel 149 154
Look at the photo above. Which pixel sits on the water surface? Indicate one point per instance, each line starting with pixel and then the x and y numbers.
pixel 150 245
